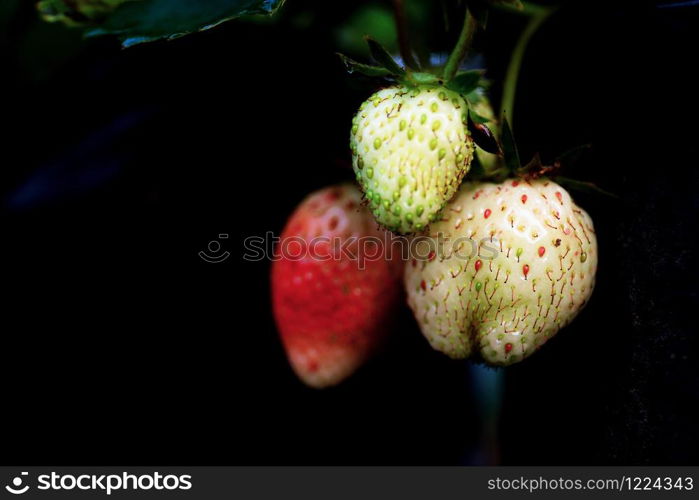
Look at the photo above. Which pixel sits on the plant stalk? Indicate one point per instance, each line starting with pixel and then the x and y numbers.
pixel 538 15
pixel 462 46
pixel 487 385
pixel 404 35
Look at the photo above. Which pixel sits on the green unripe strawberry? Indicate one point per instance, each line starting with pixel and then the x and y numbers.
pixel 410 151
pixel 77 12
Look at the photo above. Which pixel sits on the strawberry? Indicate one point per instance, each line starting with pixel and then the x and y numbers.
pixel 333 288
pixel 517 264
pixel 410 151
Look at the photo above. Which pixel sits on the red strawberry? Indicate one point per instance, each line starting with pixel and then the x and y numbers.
pixel 333 289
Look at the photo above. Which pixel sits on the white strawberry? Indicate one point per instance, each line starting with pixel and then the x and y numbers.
pixel 530 271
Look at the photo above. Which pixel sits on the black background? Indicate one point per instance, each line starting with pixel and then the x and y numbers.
pixel 119 345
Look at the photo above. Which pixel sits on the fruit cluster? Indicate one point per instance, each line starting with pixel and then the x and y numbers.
pixel 512 259
pixel 510 262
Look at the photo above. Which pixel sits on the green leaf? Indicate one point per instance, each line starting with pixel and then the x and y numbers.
pixel 149 20
pixel 77 12
pixel 583 186
pixel 509 148
pixel 466 81
pixel 364 69
pixel 475 97
pixel 475 116
pixel 381 56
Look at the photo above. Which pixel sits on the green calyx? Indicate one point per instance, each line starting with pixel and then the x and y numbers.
pixel 386 67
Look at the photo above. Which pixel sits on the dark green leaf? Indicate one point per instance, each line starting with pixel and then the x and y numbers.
pixel 77 12
pixel 509 148
pixel 583 186
pixel 482 136
pixel 465 82
pixel 150 20
pixel 381 56
pixel 475 116
pixel 475 97
pixel 364 69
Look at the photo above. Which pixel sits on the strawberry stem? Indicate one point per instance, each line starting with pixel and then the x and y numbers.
pixel 403 35
pixel 538 15
pixel 488 391
pixel 462 46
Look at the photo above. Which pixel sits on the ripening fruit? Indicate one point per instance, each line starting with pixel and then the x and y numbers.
pixel 517 264
pixel 410 151
pixel 334 288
